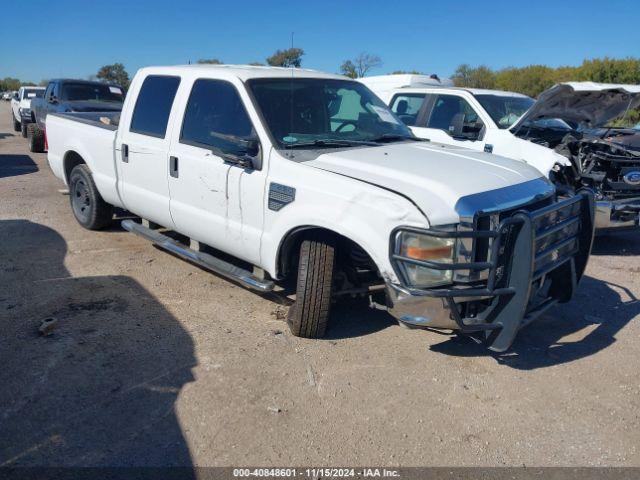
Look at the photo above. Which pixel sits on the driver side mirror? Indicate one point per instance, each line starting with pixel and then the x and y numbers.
pixel 16 96
pixel 245 154
pixel 53 99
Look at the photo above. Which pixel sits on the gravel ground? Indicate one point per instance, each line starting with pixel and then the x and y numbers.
pixel 153 361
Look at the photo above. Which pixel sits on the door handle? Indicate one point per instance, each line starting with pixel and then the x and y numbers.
pixel 173 167
pixel 125 153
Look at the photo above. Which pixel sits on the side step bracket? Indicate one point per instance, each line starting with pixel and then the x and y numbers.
pixel 204 260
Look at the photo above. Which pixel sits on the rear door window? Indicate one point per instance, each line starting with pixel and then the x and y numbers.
pixel 153 105
pixel 407 106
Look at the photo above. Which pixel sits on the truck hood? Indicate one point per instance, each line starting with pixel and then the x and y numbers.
pixel 433 176
pixel 92 106
pixel 587 104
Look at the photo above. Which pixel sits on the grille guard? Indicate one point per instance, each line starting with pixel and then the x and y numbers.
pixel 528 248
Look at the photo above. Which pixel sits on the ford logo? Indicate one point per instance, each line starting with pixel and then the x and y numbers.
pixel 632 178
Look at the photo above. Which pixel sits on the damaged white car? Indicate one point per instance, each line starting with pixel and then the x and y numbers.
pixel 561 134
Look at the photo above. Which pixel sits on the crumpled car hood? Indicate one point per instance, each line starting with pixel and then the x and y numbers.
pixel 588 104
pixel 433 176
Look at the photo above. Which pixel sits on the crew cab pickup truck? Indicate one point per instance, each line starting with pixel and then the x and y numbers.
pixel 306 181
pixel 553 134
pixel 65 95
pixel 21 107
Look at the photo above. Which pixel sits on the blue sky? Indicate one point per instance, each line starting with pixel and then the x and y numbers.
pixel 74 38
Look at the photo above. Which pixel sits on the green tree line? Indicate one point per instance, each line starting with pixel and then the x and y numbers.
pixel 534 79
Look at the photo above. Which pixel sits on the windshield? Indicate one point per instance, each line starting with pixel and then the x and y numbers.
pixel 32 92
pixel 503 109
pixel 318 112
pixel 91 91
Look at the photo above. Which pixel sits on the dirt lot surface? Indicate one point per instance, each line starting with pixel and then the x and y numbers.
pixel 153 361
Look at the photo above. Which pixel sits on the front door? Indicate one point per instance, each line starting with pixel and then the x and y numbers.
pixel 212 200
pixel 143 151
pixel 452 121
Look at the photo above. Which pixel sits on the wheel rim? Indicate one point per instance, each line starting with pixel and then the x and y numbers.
pixel 80 200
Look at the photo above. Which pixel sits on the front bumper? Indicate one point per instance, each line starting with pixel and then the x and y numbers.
pixel 535 260
pixel 617 214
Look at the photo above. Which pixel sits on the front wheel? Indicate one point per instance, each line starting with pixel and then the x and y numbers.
pixel 309 314
pixel 16 123
pixel 23 129
pixel 88 206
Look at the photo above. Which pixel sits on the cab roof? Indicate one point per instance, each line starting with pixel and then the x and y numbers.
pixel 472 91
pixel 243 72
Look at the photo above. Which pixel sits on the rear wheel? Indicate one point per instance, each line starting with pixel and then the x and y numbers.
pixel 309 315
pixel 88 206
pixel 36 138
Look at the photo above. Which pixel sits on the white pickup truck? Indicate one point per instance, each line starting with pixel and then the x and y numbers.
pixel 21 107
pixel 557 134
pixel 307 181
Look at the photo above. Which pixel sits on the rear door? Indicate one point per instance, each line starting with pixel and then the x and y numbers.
pixel 142 149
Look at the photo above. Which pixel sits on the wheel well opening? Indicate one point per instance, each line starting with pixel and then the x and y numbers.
pixel 71 159
pixel 351 257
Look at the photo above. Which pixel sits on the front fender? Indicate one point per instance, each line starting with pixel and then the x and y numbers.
pixel 363 213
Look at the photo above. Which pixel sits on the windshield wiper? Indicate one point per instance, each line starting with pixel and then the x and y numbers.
pixel 330 142
pixel 393 137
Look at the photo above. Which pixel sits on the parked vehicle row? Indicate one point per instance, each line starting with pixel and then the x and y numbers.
pixel 67 95
pixel 21 107
pixel 563 134
pixel 310 181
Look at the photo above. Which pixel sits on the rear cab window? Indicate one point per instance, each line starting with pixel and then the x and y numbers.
pixel 153 105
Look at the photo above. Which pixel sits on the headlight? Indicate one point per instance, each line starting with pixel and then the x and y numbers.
pixel 416 251
pixel 25 111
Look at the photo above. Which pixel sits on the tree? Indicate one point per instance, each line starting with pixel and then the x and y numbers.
pixel 534 79
pixel 402 72
pixel 361 65
pixel 9 84
pixel 474 77
pixel 257 64
pixel 348 69
pixel 209 61
pixel 291 57
pixel 114 74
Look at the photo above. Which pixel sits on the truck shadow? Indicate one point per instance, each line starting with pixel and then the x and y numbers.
pixel 14 165
pixel 618 243
pixel 564 334
pixel 100 390
pixel 353 318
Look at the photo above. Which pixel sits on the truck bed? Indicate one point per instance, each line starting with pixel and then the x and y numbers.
pixel 91 135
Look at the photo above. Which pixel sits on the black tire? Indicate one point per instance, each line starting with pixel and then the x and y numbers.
pixel 16 123
pixel 23 129
pixel 309 315
pixel 36 138
pixel 87 205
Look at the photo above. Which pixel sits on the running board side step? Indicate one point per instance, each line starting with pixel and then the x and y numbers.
pixel 204 260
